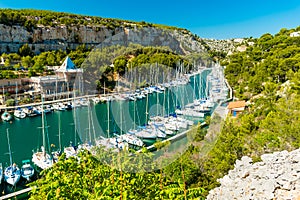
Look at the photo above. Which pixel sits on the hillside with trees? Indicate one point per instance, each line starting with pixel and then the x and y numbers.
pixel 267 76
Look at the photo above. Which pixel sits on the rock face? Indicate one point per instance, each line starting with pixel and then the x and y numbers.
pixel 69 37
pixel 276 177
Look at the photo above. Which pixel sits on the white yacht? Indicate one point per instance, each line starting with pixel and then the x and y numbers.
pixel 132 139
pixel 27 171
pixel 42 159
pixel 19 113
pixel 12 173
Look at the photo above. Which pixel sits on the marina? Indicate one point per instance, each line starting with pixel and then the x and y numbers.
pixel 93 121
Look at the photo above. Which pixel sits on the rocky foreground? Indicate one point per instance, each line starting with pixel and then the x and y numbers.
pixel 276 177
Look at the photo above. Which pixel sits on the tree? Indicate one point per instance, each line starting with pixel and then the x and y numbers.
pixel 120 64
pixel 26 62
pixel 25 50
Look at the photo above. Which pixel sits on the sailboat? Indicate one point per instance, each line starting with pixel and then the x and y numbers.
pixel 41 158
pixel 130 136
pixel 6 116
pixel 71 149
pixel 12 173
pixel 27 171
pixel 88 144
pixel 57 153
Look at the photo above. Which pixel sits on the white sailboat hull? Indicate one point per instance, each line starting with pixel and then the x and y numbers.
pixel 12 175
pixel 42 160
pixel 27 171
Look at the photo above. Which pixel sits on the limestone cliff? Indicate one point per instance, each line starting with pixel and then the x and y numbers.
pixel 45 38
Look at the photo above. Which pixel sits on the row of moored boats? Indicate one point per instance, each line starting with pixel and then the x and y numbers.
pixel 158 127
pixel 12 173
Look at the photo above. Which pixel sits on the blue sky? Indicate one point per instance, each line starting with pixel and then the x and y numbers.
pixel 206 18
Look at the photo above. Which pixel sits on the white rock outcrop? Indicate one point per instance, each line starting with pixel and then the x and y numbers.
pixel 277 176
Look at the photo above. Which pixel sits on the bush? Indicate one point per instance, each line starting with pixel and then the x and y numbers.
pixel 10 102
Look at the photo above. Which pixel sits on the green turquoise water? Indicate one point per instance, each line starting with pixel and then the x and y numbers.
pixel 26 134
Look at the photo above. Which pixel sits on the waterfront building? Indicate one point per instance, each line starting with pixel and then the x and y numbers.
pixel 59 85
pixel 13 86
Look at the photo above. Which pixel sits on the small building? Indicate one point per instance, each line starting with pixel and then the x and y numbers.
pixel 61 84
pixel 236 107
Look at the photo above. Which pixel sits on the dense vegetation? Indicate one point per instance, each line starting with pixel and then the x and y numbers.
pixel 272 59
pixel 267 74
pixel 31 18
pixel 148 55
pixel 88 178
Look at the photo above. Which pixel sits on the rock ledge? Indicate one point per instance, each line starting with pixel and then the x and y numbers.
pixel 277 176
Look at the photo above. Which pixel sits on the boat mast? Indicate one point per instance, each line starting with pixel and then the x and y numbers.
pixel 89 120
pixel 43 129
pixel 156 82
pixel 134 111
pixel 206 88
pixel 9 150
pixel 93 127
pixel 146 109
pixel 16 93
pixel 157 102
pixel 3 93
pixel 134 100
pixel 108 130
pixel 163 107
pixel 59 132
pixel 194 93
pixel 75 119
pixel 168 92
pixel 200 85
pixel 121 118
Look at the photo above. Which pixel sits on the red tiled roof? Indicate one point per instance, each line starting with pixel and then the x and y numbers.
pixel 236 104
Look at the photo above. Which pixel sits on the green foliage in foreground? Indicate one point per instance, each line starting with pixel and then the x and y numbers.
pixel 88 178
